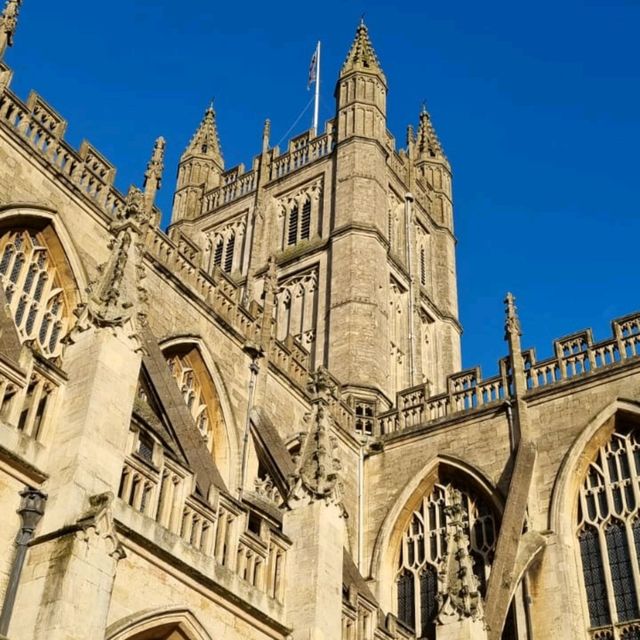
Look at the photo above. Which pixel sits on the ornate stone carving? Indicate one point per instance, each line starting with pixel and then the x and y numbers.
pixel 97 525
pixel 8 23
pixel 458 590
pixel 512 324
pixel 316 476
pixel 117 294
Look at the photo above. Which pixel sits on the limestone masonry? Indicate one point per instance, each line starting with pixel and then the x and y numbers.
pixel 255 425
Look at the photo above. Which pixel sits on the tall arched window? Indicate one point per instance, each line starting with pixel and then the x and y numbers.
pixel 608 532
pixel 423 549
pixel 199 392
pixel 33 289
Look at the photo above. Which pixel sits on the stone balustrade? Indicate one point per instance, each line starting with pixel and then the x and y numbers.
pixel 575 357
pixel 302 151
pixel 217 528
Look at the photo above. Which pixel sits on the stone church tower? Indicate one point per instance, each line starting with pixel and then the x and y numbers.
pixel 255 426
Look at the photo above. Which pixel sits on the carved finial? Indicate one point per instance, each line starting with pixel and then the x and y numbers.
pixel 118 292
pixel 153 174
pixel 8 24
pixel 411 137
pixel 271 277
pixel 512 324
pixel 458 589
pixel 316 476
pixel 266 134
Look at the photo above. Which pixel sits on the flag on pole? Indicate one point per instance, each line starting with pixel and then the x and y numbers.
pixel 313 69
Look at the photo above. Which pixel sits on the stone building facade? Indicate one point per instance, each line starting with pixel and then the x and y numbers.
pixel 255 424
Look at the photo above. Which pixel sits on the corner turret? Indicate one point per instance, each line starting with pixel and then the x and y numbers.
pixel 434 169
pixel 361 92
pixel 199 170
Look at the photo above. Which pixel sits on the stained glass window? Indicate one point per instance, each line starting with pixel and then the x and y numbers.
pixel 33 290
pixel 423 549
pixel 609 534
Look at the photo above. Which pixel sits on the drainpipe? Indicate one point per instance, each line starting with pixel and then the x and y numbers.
pixel 31 511
pixel 408 210
pixel 361 506
pixel 256 353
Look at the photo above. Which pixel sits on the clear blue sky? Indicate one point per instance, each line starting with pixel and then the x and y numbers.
pixel 537 105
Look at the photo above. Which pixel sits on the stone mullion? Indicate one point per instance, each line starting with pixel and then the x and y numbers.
pixel 635 569
pixel 175 519
pixel 295 314
pixel 33 406
pixel 238 231
pixel 126 485
pixel 221 536
pixel 635 473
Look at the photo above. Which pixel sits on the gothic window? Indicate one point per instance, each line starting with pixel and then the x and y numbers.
pixel 423 549
pixel 364 418
pixel 201 398
pixel 227 246
pixel 33 289
pixel 300 215
pixel 423 266
pixel 608 534
pixel 299 223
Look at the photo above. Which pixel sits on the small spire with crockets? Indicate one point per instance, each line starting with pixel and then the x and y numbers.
pixel 8 24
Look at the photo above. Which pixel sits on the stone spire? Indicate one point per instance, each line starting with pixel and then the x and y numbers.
pixel 458 593
pixel 361 56
pixel 199 171
pixel 205 141
pixel 428 144
pixel 153 174
pixel 8 24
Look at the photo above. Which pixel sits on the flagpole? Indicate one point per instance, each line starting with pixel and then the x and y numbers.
pixel 317 100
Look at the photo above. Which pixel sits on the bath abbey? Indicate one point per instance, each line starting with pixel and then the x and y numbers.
pixel 255 424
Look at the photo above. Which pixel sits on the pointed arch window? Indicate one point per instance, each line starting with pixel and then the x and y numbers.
pixel 301 218
pixel 201 398
pixel 423 549
pixel 34 289
pixel 608 535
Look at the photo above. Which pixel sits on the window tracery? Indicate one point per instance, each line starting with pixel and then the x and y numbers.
pixel 608 533
pixel 295 308
pixel 423 548
pixel 33 289
pixel 300 214
pixel 224 248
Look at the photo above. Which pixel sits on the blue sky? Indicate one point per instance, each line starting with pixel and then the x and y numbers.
pixel 537 105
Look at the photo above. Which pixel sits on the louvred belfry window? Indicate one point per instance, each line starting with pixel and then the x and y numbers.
pixel 423 549
pixel 608 532
pixel 33 289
